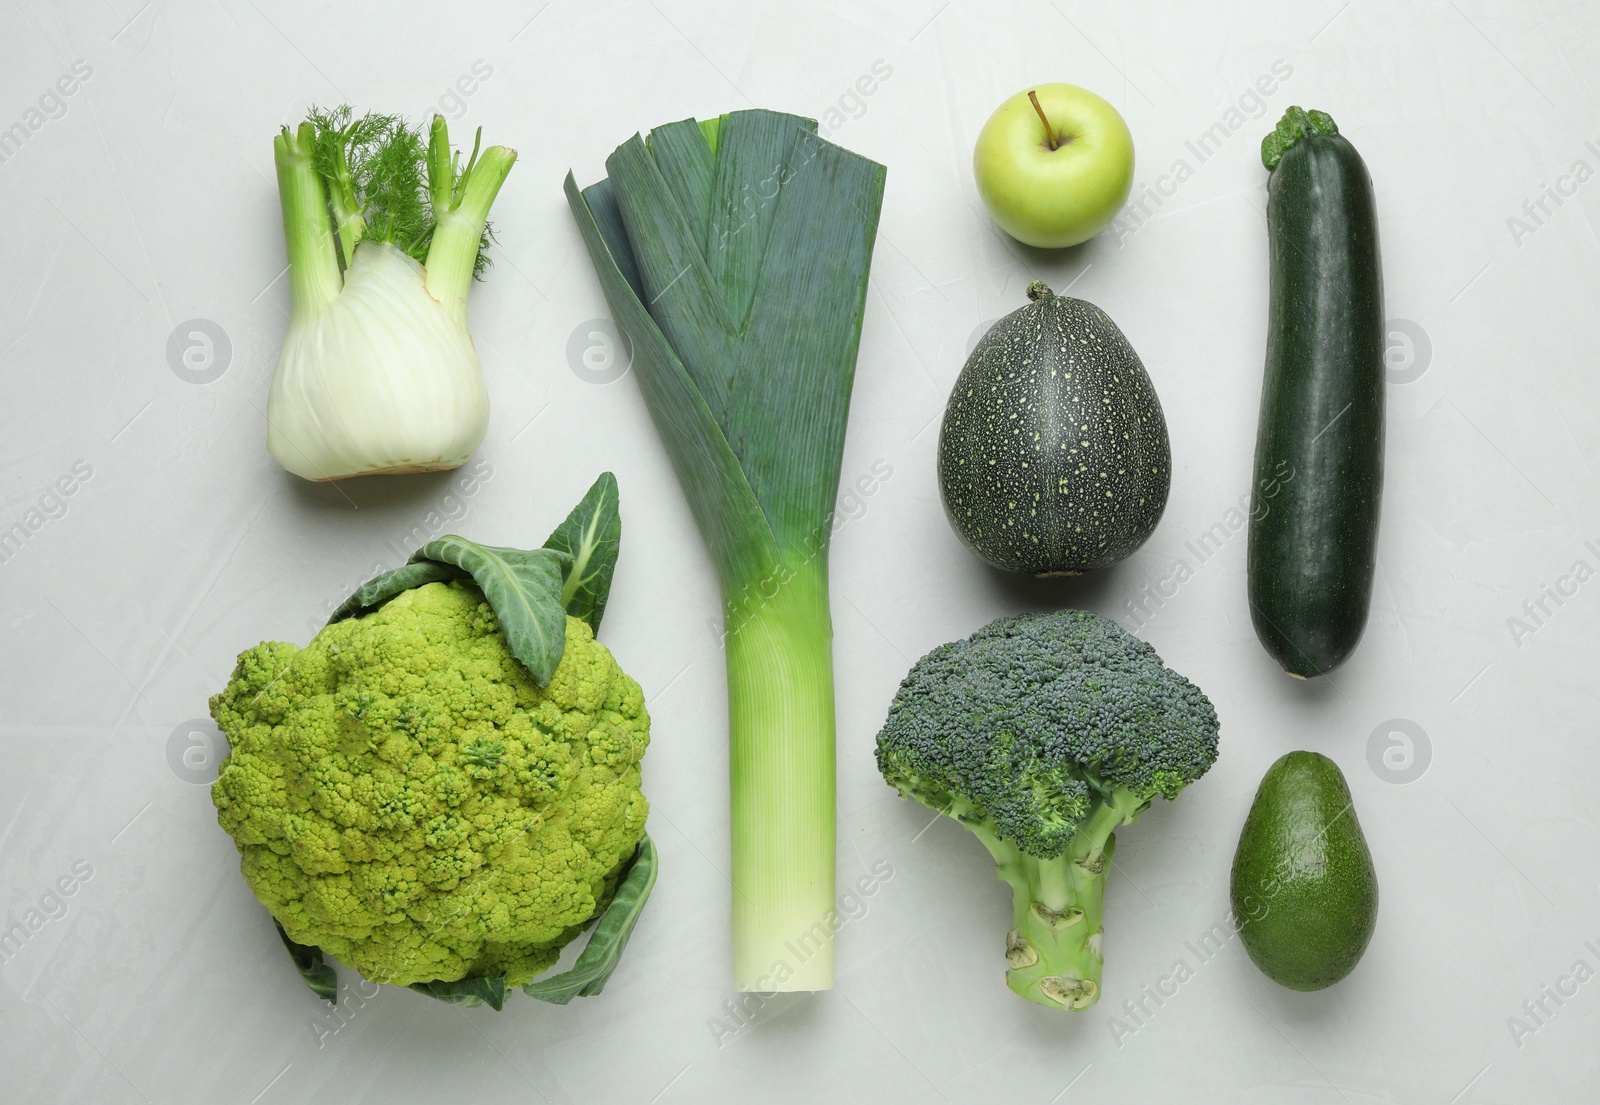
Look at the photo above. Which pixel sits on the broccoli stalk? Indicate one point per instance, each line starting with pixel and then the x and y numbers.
pixel 1042 734
pixel 1053 953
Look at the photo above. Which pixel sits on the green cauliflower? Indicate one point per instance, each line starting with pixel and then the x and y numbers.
pixel 405 797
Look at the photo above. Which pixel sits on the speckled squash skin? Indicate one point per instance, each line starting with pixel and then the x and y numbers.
pixel 1053 456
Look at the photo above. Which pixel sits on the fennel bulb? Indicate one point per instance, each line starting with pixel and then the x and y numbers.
pixel 380 379
pixel 385 234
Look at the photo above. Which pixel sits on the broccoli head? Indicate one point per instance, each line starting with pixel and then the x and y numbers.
pixel 1042 733
pixel 405 797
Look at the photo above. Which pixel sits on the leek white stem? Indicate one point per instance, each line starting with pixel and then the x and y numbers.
pixel 782 774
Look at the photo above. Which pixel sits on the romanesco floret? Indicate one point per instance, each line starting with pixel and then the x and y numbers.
pixel 405 797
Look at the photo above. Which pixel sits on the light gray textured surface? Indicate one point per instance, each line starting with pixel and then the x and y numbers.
pixel 146 199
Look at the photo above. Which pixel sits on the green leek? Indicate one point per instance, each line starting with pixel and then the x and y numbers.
pixel 734 255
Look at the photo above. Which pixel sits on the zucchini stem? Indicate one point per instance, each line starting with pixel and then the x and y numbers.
pixel 1297 123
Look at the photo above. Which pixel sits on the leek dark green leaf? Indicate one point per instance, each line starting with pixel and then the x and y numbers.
pixel 686 161
pixel 734 255
pixel 723 505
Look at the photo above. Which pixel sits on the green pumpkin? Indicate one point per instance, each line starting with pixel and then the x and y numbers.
pixel 1053 456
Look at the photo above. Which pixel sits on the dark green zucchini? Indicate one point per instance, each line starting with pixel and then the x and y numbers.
pixel 1319 446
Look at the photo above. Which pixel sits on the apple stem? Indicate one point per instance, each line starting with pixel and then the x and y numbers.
pixel 1049 131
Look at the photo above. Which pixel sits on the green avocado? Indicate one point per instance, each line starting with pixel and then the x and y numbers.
pixel 1305 895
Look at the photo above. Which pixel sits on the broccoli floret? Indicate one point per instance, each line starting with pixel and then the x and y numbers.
pixel 1042 733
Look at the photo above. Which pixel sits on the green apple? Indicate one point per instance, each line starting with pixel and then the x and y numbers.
pixel 1054 165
